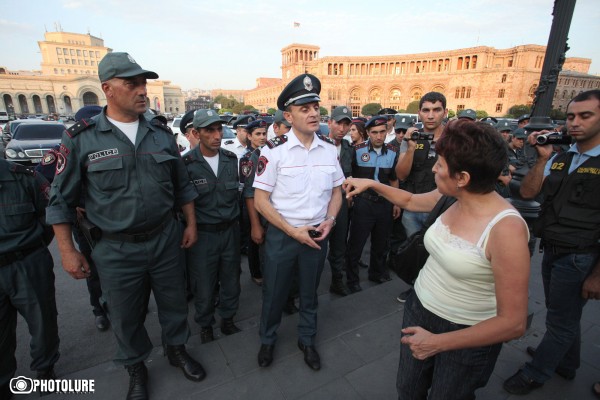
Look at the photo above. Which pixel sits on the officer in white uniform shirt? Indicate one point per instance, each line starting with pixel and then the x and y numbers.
pixel 298 190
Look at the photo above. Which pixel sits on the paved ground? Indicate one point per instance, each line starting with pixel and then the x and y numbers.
pixel 358 341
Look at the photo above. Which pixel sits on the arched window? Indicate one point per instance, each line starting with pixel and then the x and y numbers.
pixel 90 99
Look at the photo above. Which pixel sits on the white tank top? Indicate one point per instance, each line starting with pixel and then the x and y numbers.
pixel 457 281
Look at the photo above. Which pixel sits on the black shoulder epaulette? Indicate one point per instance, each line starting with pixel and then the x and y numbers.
pixel 21 169
pixel 229 153
pixel 277 141
pixel 188 159
pixel 158 123
pixel 228 142
pixel 80 126
pixel 392 147
pixel 361 145
pixel 326 139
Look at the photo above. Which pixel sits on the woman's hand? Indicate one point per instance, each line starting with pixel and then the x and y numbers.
pixel 354 186
pixel 421 342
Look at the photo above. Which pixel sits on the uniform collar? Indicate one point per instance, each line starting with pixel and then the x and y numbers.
pixel 104 124
pixel 293 140
pixel 371 148
pixel 594 152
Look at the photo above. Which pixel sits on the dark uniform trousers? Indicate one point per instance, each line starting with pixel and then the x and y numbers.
pixel 283 257
pixel 369 217
pixel 215 257
pixel 337 243
pixel 127 272
pixel 93 281
pixel 27 286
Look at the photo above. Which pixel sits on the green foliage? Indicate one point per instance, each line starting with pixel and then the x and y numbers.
pixel 238 108
pixel 323 111
pixel 481 114
pixel 371 109
pixel 271 111
pixel 413 107
pixel 451 114
pixel 225 110
pixel 517 110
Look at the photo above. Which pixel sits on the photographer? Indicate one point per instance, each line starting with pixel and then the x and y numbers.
pixel 569 226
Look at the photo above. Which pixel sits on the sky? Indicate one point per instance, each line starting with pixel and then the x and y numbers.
pixel 228 44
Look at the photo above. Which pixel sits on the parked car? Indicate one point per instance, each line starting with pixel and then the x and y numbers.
pixel 30 141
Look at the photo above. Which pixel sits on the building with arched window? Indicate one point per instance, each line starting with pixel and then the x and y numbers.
pixel 68 80
pixel 481 78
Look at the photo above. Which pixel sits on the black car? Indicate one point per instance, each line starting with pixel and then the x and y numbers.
pixel 30 141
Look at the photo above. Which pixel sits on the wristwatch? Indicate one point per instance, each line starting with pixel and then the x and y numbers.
pixel 331 217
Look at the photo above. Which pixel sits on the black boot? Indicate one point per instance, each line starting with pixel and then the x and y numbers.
pixel 206 334
pixel 337 287
pixel 46 374
pixel 138 381
pixel 228 327
pixel 178 357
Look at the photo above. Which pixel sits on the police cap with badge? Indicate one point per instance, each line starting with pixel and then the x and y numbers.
pixel 503 126
pixel 376 121
pixel 303 89
pixel 340 113
pixel 524 117
pixel 468 114
pixel 205 117
pixel 243 121
pixel 389 112
pixel 259 123
pixel 187 121
pixel 519 133
pixel 121 65
pixel 403 123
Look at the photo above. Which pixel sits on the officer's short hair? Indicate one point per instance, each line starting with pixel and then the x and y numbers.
pixel 433 97
pixel 583 96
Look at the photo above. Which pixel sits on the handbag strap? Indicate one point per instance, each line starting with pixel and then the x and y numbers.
pixel 442 205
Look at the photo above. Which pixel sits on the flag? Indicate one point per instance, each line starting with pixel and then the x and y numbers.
pixel 296 24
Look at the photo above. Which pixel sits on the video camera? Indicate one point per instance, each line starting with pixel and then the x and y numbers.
pixel 419 135
pixel 553 138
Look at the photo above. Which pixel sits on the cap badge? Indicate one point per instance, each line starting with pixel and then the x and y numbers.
pixel 308 85
pixel 131 59
pixel 209 113
pixel 345 110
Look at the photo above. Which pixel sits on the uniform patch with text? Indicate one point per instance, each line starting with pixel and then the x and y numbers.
pixel 262 165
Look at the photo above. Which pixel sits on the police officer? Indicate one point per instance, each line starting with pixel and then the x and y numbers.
pixel 279 127
pixel 390 114
pixel 569 227
pixel 516 158
pixel 133 180
pixel 523 120
pixel 469 114
pixel 26 273
pixel 372 213
pixel 505 130
pixel 215 257
pixel 298 180
pixel 257 137
pixel 339 126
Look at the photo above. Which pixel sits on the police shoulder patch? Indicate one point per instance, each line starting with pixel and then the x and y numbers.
pixel 361 145
pixel 277 141
pixel 229 153
pixel 80 126
pixel 326 139
pixel 188 159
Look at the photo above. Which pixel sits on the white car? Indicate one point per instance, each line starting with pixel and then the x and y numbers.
pixel 181 140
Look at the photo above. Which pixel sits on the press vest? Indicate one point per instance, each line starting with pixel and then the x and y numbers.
pixel 421 178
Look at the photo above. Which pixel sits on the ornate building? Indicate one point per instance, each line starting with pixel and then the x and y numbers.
pixel 69 80
pixel 481 78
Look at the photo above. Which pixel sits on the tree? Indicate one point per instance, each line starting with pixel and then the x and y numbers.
pixel 225 110
pixel 517 110
pixel 249 108
pixel 238 108
pixel 323 111
pixel 271 111
pixel 451 114
pixel 481 114
pixel 371 109
pixel 413 107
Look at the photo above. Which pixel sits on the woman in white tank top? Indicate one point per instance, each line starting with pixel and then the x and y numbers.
pixel 471 295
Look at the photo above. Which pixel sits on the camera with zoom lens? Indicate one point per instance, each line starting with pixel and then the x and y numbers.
pixel 553 138
pixel 419 135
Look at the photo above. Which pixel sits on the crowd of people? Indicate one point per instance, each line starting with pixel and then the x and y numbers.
pixel 133 216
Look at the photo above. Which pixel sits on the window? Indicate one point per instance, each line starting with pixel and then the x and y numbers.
pixel 56 71
pixel 503 80
pixel 395 95
pixel 92 54
pixel 462 92
pixel 73 61
pixel 97 54
pixel 72 52
pixel 60 61
pixel 62 71
pixel 457 94
pixel 468 92
pixel 499 107
pixel 532 90
pixel 78 53
pixel 460 107
pixel 87 62
pixel 65 51
pixel 510 62
pixel 501 93
pixel 85 53
pixel 355 95
pixel 79 62
pixel 93 63
pixel 58 50
pixel 67 61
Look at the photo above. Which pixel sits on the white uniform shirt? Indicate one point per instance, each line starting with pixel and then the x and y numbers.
pixel 236 147
pixel 300 180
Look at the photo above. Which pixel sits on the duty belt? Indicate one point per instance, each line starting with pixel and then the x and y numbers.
pixel 138 237
pixel 9 258
pixel 216 227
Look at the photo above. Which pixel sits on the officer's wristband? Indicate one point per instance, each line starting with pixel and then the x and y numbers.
pixel 331 217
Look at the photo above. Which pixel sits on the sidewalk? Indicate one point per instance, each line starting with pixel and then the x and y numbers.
pixel 358 341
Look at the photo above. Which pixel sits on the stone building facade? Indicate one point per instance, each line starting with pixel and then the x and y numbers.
pixel 481 78
pixel 69 80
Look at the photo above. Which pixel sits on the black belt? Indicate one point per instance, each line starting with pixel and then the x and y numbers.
pixel 9 258
pixel 216 227
pixel 371 197
pixel 138 237
pixel 570 250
